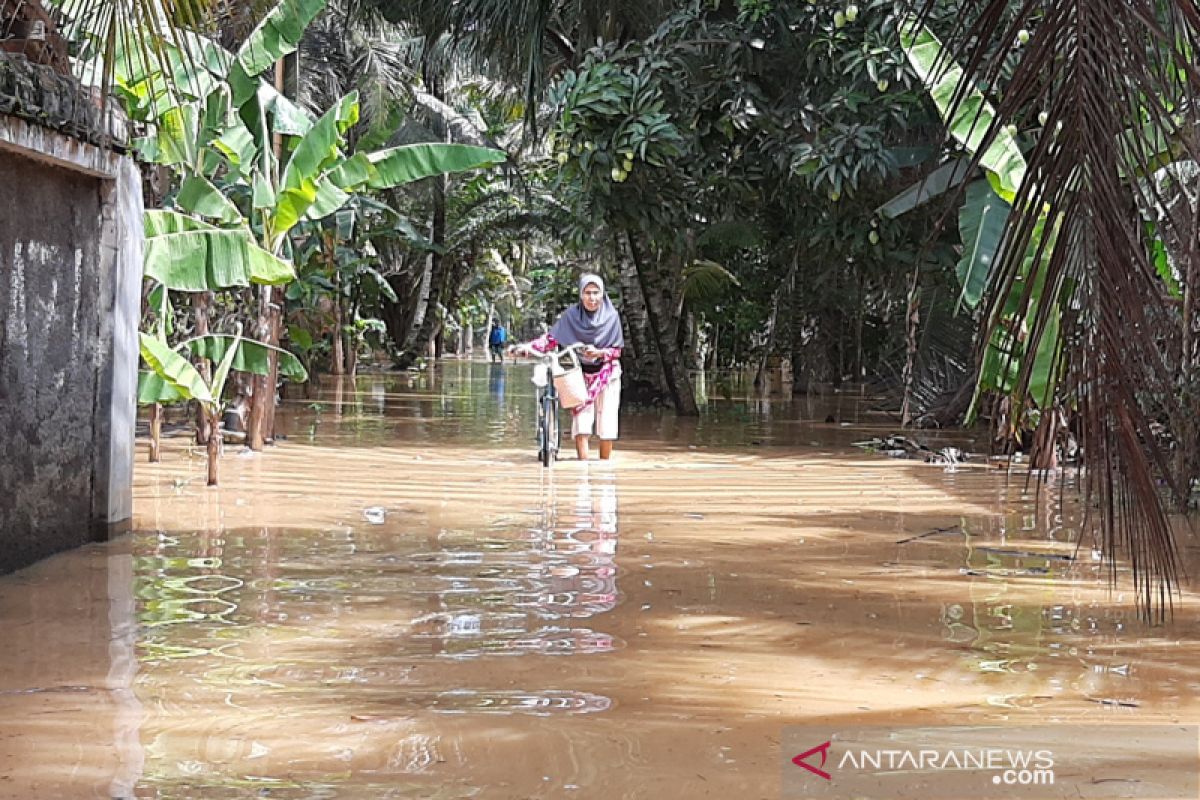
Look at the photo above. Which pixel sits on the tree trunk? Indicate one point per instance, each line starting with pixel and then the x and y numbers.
pixel 1043 455
pixel 214 448
pixel 785 288
pixel 714 362
pixel 405 282
pixel 200 301
pixel 664 331
pixel 912 326
pixel 426 320
pixel 155 433
pixel 261 425
pixel 338 367
pixel 426 323
pixel 691 340
pixel 352 340
pixel 639 360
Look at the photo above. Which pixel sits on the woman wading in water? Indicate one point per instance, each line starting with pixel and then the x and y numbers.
pixel 594 323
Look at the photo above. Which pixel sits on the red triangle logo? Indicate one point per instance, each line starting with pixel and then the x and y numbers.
pixel 823 749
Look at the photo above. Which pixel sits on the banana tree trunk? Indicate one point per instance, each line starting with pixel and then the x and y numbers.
pixel 338 367
pixel 155 433
pixel 261 425
pixel 214 447
pixel 664 330
pixel 200 301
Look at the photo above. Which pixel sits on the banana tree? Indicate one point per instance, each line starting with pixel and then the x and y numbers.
pixel 252 166
pixel 173 377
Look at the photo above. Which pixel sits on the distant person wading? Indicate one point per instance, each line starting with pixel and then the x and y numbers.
pixel 496 341
pixel 595 323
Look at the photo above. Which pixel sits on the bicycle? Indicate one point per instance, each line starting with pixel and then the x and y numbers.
pixel 548 434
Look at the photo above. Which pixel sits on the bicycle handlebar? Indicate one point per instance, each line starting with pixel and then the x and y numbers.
pixel 550 353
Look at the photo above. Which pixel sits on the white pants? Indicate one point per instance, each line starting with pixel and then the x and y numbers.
pixel 601 414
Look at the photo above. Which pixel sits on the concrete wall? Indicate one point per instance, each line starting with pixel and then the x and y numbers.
pixel 70 273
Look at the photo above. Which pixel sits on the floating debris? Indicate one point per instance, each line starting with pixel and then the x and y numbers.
pixel 898 446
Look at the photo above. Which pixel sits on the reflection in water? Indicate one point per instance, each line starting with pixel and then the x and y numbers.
pixel 1017 625
pixel 524 590
pixel 541 704
pixel 271 621
pixel 496 373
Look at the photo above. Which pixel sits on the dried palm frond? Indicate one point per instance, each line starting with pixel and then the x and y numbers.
pixel 1108 92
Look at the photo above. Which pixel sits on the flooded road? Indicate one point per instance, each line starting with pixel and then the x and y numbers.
pixel 397 602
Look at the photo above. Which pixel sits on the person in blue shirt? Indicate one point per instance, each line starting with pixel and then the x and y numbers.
pixel 496 341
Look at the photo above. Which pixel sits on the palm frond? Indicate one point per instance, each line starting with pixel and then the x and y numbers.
pixel 1097 89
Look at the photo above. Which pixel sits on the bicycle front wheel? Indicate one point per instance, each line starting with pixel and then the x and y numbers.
pixel 549 430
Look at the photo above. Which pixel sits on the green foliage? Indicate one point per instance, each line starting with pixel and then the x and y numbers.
pixel 398 166
pixel 252 357
pixel 969 117
pixel 188 255
pixel 174 370
pixel 981 224
pixel 611 117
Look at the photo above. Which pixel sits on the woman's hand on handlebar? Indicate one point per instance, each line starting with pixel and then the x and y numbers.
pixel 592 352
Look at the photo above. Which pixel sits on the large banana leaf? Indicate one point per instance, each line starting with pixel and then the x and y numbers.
pixel 1008 347
pixel 320 149
pixel 154 388
pixel 221 373
pixel 969 119
pixel 981 223
pixel 197 195
pixel 250 357
pixel 188 255
pixel 278 34
pixel 935 184
pixel 400 165
pixel 303 187
pixel 175 370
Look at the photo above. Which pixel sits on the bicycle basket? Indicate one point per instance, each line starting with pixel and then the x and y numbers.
pixel 571 387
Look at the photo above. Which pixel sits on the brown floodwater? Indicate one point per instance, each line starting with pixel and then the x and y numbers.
pixel 398 601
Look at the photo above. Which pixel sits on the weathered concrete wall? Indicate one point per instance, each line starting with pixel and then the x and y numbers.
pixel 70 272
pixel 50 353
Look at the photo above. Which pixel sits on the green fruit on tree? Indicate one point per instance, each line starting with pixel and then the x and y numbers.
pixel 562 157
pixel 835 195
pixel 851 13
pixel 1043 118
pixel 881 84
pixel 839 20
pixel 1023 36
pixel 627 166
pixel 874 237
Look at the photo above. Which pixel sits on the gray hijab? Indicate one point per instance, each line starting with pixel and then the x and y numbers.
pixel 599 329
